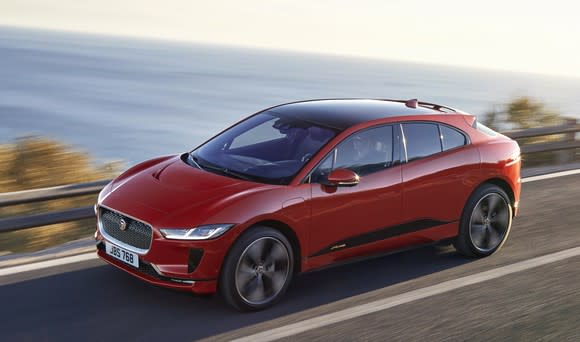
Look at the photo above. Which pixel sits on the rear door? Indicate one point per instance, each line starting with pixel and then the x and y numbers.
pixel 439 173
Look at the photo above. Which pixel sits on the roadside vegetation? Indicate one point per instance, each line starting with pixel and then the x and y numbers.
pixel 521 113
pixel 524 113
pixel 32 163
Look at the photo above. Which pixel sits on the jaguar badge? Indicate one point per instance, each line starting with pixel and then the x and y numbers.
pixel 123 224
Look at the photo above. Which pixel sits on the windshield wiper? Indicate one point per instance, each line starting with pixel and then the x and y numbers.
pixel 207 166
pixel 234 174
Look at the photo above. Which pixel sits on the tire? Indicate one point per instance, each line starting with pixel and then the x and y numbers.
pixel 485 223
pixel 257 270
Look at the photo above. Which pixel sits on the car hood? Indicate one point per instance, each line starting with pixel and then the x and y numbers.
pixel 169 188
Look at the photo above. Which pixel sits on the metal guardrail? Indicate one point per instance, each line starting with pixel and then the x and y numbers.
pixel 46 194
pixel 39 195
pixel 566 145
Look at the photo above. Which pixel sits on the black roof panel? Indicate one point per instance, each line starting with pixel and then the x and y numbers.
pixel 344 113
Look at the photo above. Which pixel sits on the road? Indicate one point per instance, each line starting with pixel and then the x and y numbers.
pixel 92 301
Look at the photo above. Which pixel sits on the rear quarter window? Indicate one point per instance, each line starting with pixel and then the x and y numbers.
pixel 451 138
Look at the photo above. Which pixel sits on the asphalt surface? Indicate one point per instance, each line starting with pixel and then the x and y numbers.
pixel 93 301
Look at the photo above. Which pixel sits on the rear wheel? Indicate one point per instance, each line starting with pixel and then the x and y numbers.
pixel 258 269
pixel 485 223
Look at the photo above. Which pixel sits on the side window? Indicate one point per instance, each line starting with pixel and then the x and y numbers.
pixel 451 138
pixel 319 175
pixel 421 139
pixel 365 152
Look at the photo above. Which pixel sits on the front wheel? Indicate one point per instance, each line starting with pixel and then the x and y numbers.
pixel 257 270
pixel 485 223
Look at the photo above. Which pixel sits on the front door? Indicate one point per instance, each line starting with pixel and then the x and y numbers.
pixel 347 221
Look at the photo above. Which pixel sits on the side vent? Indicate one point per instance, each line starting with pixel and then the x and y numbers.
pixel 194 258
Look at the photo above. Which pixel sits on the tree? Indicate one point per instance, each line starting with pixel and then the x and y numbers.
pixel 522 113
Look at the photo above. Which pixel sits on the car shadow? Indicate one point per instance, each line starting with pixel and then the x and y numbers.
pixel 103 303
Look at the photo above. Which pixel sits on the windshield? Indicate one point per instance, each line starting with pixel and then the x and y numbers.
pixel 265 148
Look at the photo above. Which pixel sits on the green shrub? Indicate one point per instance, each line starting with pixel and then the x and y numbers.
pixel 523 113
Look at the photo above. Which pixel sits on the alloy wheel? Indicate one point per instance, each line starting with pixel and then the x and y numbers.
pixel 490 222
pixel 262 270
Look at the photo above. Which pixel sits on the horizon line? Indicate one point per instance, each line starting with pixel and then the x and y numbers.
pixel 188 42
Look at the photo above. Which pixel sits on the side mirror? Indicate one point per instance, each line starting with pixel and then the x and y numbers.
pixel 342 177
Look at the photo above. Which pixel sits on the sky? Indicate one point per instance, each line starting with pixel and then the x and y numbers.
pixel 529 36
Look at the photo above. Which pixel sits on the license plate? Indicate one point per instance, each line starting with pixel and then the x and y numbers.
pixel 122 254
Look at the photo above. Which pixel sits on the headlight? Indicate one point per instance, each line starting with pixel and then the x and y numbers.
pixel 206 232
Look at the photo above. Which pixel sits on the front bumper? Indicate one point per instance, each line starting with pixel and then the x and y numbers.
pixel 178 264
pixel 148 273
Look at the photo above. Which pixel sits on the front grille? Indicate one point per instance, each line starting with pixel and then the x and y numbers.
pixel 136 233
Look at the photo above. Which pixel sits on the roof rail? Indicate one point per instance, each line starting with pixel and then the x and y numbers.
pixel 414 103
pixel 438 107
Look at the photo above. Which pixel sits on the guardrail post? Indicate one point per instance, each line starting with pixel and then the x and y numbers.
pixel 568 156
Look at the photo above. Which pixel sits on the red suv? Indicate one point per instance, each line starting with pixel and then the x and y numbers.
pixel 303 185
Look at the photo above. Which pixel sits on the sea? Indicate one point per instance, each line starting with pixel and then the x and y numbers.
pixel 128 99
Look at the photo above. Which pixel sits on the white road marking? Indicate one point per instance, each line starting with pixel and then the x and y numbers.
pixel 550 175
pixel 389 302
pixel 47 263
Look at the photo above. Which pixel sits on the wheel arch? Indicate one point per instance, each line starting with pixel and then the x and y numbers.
pixel 460 241
pixel 505 186
pixel 289 233
pixel 285 230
